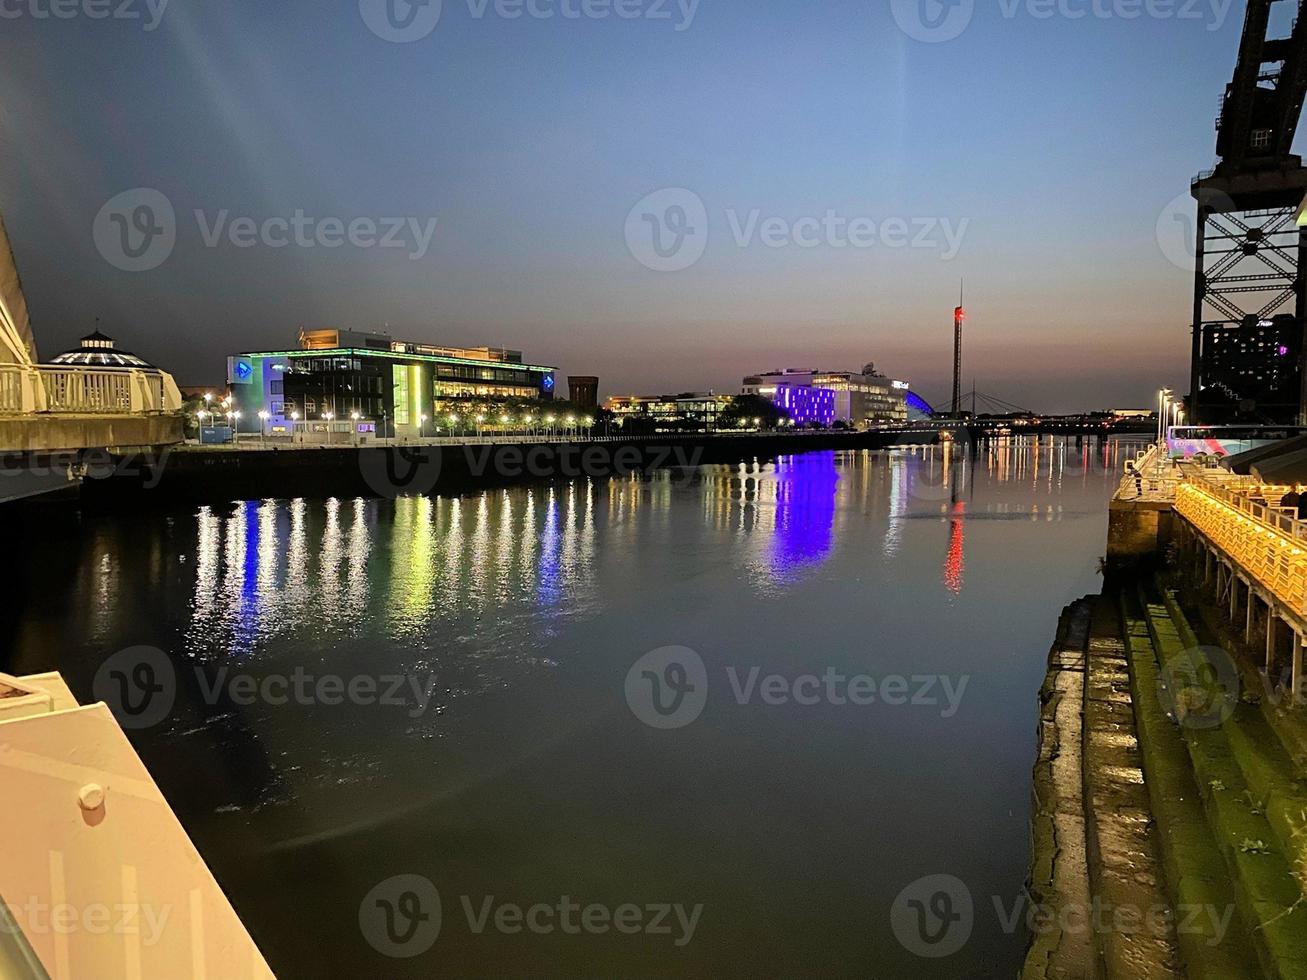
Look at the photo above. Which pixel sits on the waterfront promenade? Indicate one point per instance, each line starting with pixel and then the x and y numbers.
pixel 1173 750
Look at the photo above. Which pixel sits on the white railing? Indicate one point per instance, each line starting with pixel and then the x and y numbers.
pixel 87 391
pixel 66 390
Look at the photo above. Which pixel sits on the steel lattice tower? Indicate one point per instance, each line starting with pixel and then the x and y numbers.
pixel 1250 304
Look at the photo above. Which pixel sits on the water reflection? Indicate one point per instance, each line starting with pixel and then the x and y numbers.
pixel 529 605
pixel 259 572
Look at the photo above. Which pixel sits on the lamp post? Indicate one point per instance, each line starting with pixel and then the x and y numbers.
pixel 354 418
pixel 263 427
pixel 422 426
pixel 328 416
pixel 1164 398
pixel 481 421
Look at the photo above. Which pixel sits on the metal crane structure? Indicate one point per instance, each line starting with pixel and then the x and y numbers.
pixel 1250 302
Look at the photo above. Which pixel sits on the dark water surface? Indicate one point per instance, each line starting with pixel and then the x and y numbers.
pixel 529 776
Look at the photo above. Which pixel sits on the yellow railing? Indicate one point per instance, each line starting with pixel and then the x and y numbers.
pixel 1266 544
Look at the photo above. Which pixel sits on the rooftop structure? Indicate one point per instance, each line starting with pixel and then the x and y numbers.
pixel 97 350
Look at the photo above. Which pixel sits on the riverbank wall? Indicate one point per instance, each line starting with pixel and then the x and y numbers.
pixel 189 474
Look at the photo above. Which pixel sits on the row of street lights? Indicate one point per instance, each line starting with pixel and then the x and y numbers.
pixel 1170 412
pixel 553 424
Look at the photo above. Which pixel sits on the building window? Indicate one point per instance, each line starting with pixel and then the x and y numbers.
pixel 1261 139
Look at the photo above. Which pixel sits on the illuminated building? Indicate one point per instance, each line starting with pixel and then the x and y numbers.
pixel 805 404
pixel 861 399
pixel 692 410
pixel 390 384
pixel 1251 368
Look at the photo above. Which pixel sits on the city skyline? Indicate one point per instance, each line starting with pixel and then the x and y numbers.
pixel 763 114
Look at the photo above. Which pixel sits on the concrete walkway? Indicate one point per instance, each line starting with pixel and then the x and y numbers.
pixel 1093 836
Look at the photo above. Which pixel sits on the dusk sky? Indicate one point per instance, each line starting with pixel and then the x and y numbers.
pixel 1050 147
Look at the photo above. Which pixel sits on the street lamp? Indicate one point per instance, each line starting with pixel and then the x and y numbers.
pixel 1163 396
pixel 263 427
pixel 422 426
pixel 328 416
pixel 355 417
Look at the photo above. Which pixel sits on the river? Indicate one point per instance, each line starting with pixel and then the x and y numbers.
pixel 706 722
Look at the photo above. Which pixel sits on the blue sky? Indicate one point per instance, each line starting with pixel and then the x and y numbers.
pixel 1056 143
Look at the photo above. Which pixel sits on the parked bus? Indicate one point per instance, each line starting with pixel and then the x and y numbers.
pixel 1188 441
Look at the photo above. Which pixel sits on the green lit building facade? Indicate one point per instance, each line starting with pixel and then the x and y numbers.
pixel 388 385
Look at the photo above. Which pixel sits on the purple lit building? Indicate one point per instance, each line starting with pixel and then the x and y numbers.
pixel 805 404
